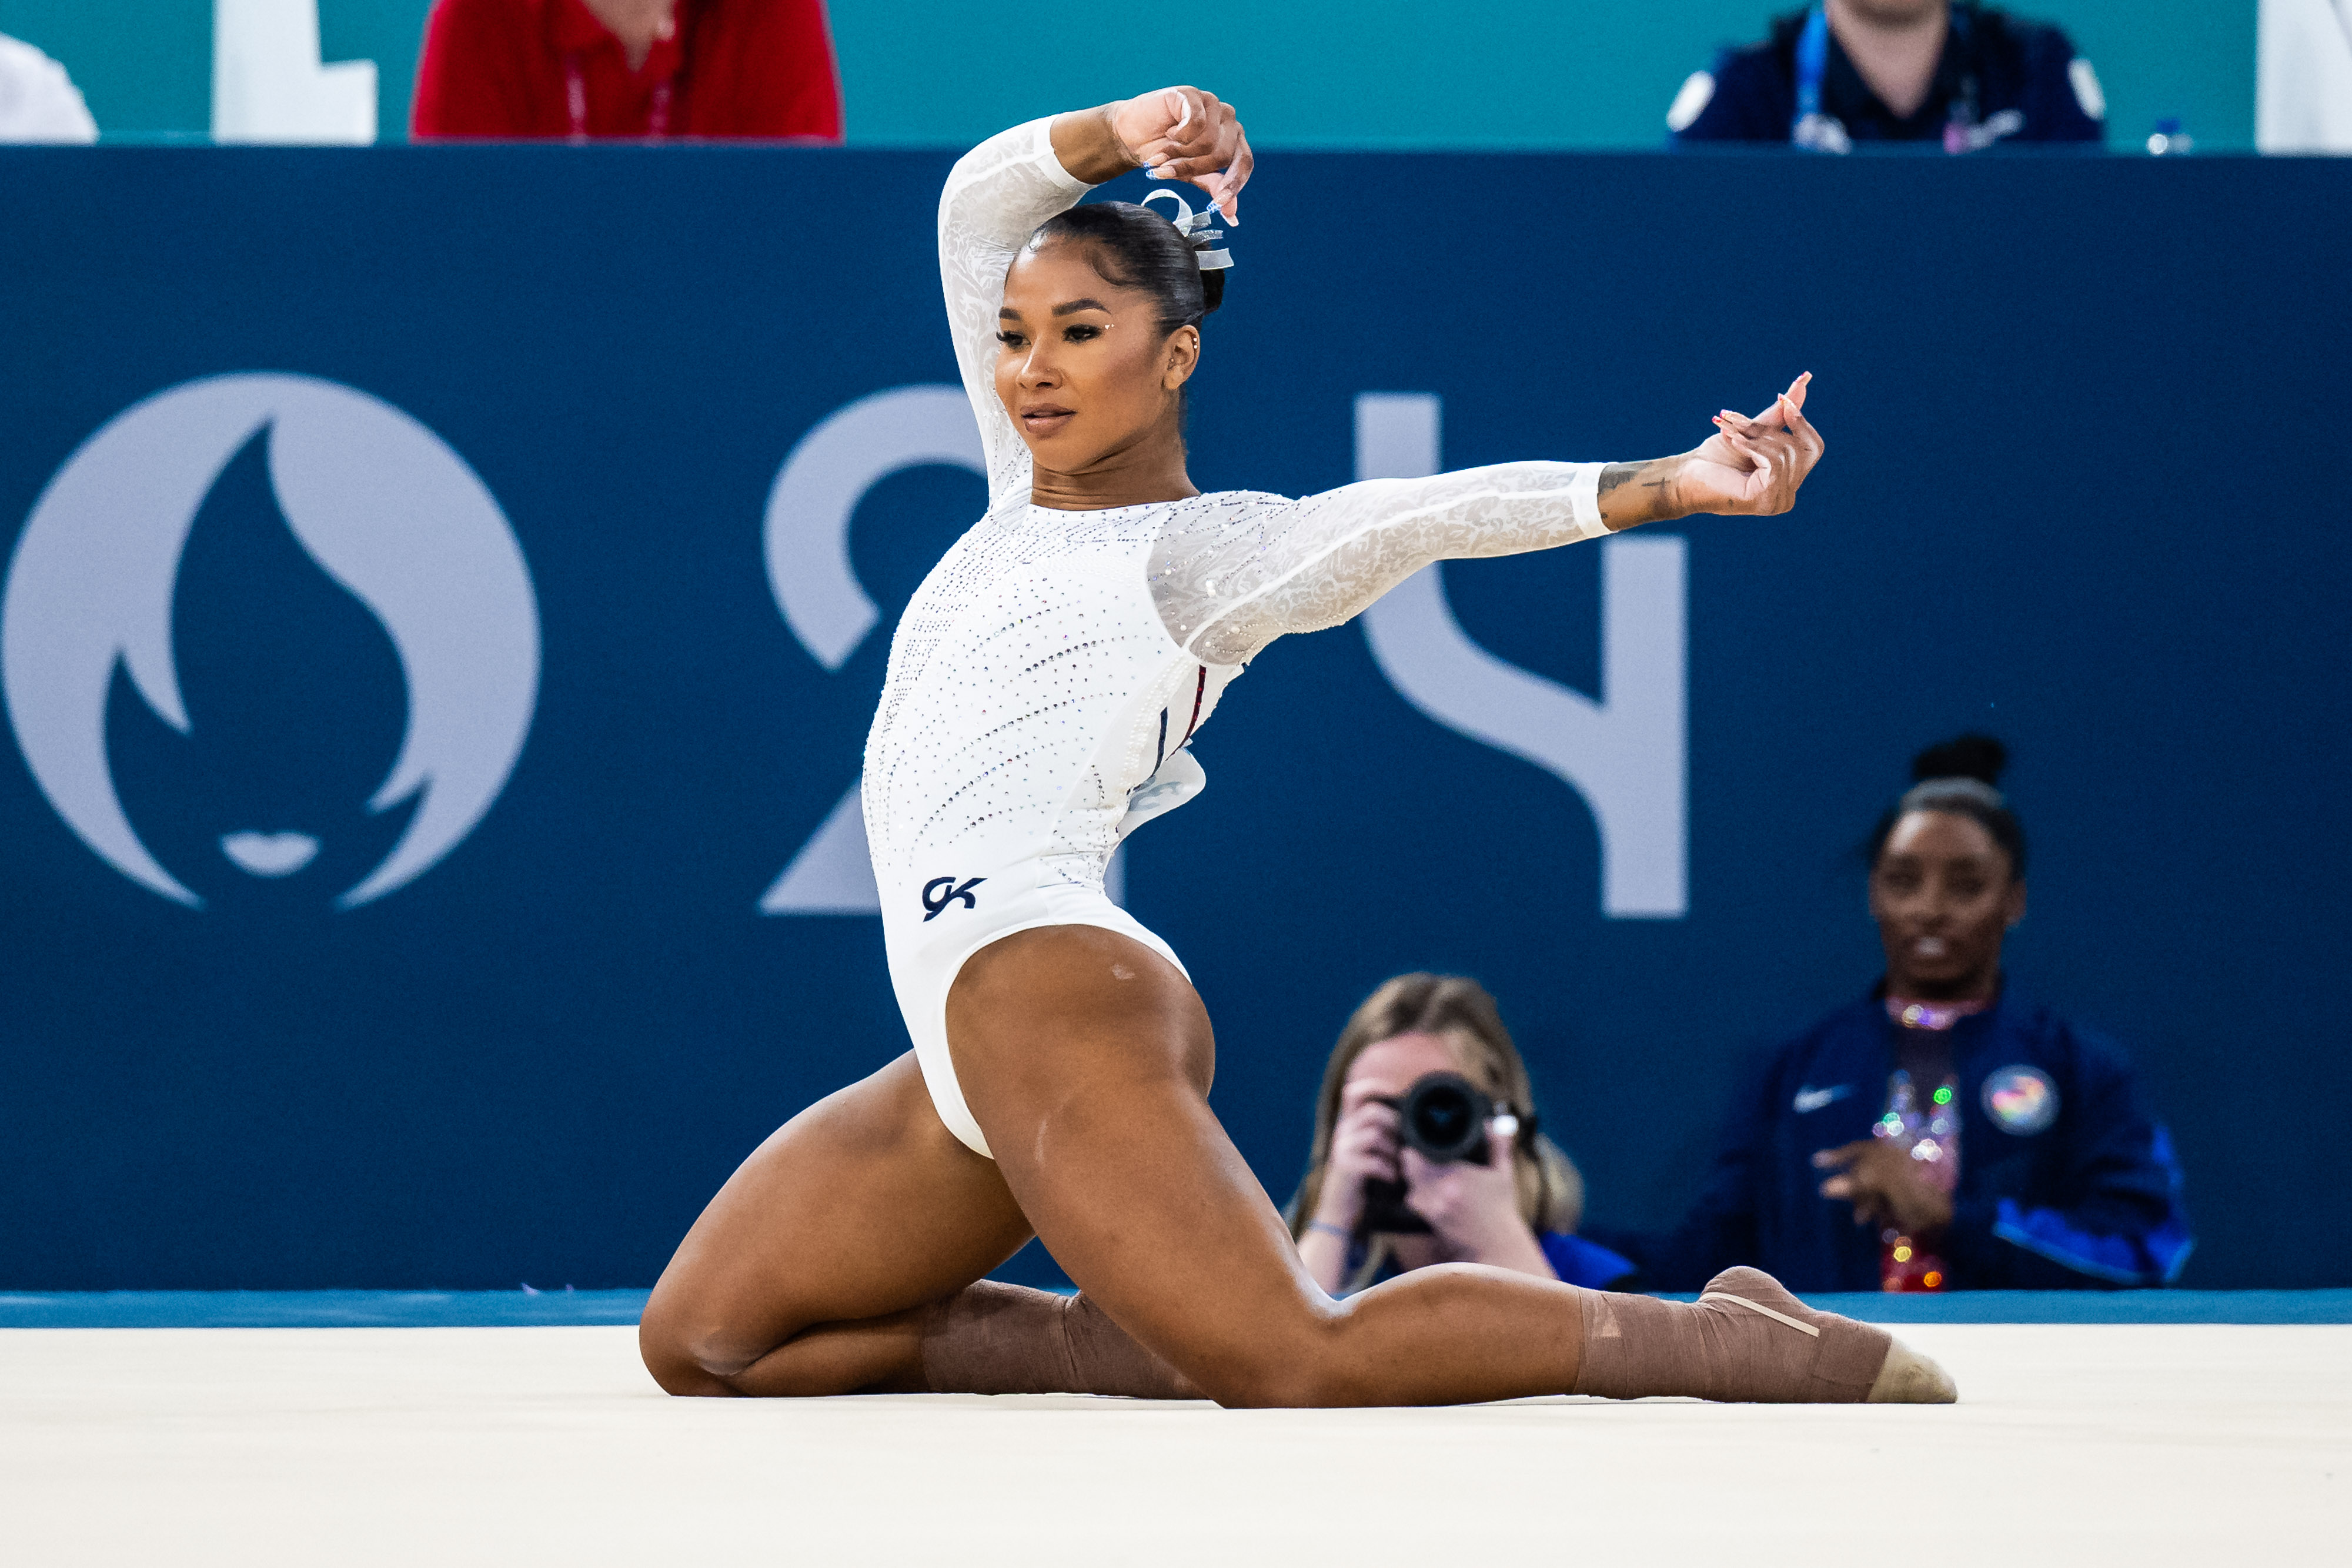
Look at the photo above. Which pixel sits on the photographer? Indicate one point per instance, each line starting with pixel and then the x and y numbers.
pixel 1426 1150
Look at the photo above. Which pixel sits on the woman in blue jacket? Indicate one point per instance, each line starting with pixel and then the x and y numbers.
pixel 1940 1132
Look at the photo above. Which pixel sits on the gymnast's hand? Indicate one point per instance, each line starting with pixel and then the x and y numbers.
pixel 1185 134
pixel 1177 133
pixel 1753 467
pixel 1747 467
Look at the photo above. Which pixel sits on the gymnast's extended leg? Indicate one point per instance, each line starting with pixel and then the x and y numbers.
pixel 846 1254
pixel 1087 1058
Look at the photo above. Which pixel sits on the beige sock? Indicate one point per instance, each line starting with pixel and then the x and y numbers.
pixel 1006 1339
pixel 1747 1340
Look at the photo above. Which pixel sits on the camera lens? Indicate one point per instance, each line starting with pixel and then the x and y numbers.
pixel 1444 1116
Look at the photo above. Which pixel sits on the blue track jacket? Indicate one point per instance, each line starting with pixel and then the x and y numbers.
pixel 2024 77
pixel 2091 1200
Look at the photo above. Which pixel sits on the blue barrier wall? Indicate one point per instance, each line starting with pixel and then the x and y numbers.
pixel 2079 491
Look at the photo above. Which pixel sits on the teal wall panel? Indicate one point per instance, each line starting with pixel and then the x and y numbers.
pixel 1399 73
pixel 144 66
pixel 1309 73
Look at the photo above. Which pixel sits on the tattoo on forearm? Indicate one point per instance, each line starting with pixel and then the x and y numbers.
pixel 1656 476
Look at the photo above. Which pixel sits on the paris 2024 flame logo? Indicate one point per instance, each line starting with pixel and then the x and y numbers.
pixel 307 514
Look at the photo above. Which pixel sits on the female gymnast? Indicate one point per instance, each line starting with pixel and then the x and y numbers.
pixel 1043 688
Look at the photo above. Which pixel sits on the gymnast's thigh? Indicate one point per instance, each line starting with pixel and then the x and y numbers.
pixel 861 1207
pixel 1087 1058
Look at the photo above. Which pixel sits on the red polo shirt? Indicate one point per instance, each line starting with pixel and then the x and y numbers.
pixel 735 67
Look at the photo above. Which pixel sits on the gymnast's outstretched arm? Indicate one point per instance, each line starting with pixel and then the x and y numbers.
pixel 1325 559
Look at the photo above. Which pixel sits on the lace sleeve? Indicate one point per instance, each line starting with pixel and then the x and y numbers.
pixel 1227 589
pixel 996 196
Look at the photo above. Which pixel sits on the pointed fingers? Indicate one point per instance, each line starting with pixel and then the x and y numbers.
pixel 1806 436
pixel 1221 171
pixel 1237 174
pixel 1221 153
pixel 1201 130
pixel 1776 416
pixel 1747 448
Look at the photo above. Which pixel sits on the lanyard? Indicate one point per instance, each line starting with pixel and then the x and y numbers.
pixel 1812 129
pixel 1812 64
pixel 1818 133
pixel 575 99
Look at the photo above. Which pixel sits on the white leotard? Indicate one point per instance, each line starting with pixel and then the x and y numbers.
pixel 1050 672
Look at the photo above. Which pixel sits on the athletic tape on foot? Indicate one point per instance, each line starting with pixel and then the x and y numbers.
pixel 1760 1307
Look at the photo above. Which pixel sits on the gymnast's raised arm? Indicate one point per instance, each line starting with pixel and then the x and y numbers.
pixel 1001 189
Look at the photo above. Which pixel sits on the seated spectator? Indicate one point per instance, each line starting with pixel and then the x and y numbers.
pixel 1849 71
pixel 1940 1132
pixel 2303 76
pixel 633 69
pixel 1513 1204
pixel 39 103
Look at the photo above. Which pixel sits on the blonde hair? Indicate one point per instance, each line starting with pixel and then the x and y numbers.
pixel 1458 1011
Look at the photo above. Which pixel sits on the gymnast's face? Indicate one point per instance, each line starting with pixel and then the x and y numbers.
pixel 1944 894
pixel 1082 366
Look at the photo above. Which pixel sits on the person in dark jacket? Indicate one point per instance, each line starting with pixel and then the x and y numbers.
pixel 1940 1132
pixel 1850 71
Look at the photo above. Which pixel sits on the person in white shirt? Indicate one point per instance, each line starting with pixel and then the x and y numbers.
pixel 2304 76
pixel 39 103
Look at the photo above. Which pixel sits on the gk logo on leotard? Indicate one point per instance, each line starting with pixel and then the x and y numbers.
pixel 942 891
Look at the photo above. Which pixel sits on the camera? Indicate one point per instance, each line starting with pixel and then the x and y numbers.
pixel 1444 1115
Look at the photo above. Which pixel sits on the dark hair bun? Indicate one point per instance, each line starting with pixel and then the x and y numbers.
pixel 1137 248
pixel 1977 756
